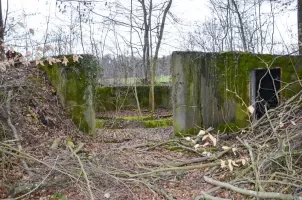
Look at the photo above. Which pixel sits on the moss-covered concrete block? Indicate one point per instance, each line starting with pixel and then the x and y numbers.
pixel 210 89
pixel 75 85
pixel 123 97
pixel 185 93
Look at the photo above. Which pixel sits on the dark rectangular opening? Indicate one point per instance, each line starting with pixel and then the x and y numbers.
pixel 266 86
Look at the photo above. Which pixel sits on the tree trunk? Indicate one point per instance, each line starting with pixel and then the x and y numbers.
pixel 146 53
pixel 155 59
pixel 241 26
pixel 132 60
pixel 300 26
pixel 2 53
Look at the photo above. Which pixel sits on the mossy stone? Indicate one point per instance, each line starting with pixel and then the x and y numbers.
pixel 75 85
pixel 214 88
pixel 123 97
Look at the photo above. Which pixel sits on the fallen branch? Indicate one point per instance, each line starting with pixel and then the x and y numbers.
pixel 15 133
pixel 202 159
pixel 84 173
pixel 175 169
pixel 42 182
pixel 79 148
pixel 254 166
pixel 261 195
pixel 206 196
pixel 161 191
pixel 23 155
pixel 134 146
pixel 160 144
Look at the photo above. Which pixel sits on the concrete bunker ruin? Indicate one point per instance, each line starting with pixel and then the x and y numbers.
pixel 216 89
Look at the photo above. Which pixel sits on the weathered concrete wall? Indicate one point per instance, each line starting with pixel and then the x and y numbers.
pixel 186 93
pixel 123 97
pixel 75 85
pixel 213 89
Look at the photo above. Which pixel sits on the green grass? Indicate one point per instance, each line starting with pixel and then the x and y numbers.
pixel 99 123
pixel 158 123
pixel 146 121
pixel 163 79
pixel 135 118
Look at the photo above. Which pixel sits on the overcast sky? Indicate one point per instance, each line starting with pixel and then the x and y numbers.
pixel 192 10
pixel 189 11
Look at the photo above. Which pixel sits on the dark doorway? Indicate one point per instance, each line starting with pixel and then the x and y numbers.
pixel 265 86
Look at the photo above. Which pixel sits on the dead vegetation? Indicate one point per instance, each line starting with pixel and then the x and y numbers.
pixel 273 147
pixel 44 156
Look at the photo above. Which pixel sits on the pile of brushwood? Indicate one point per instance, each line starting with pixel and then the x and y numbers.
pixel 33 124
pixel 274 150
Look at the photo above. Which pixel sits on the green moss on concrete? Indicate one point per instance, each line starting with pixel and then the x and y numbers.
pixel 233 72
pixel 157 123
pixel 123 97
pixel 75 85
pixel 192 74
pixel 233 77
pixel 235 68
pixel 186 77
pixel 104 99
pixel 227 76
pixel 242 116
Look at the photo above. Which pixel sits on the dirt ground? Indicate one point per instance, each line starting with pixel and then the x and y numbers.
pixel 116 146
pixel 159 113
pixel 39 119
pixel 116 149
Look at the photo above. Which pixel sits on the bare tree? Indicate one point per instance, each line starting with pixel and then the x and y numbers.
pixel 240 26
pixel 155 58
pixel 299 2
pixel 2 28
